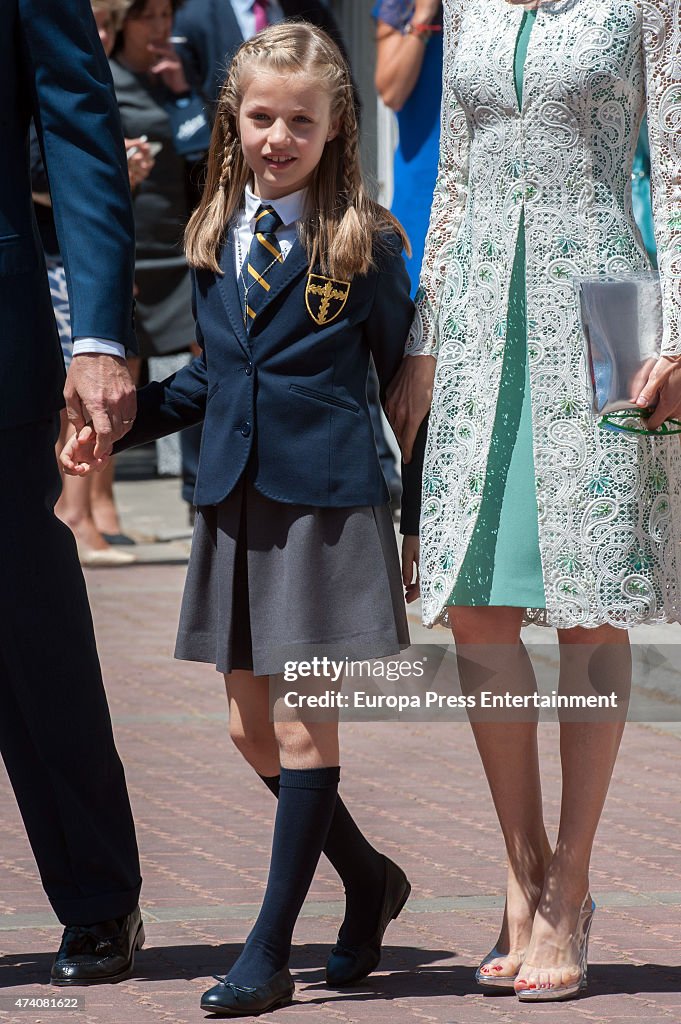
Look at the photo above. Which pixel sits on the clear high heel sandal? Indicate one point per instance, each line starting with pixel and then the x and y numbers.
pixel 553 993
pixel 492 980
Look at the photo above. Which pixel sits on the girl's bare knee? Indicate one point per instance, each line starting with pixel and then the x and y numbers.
pixel 257 746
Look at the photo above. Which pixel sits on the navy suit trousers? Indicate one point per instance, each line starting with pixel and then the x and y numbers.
pixel 55 731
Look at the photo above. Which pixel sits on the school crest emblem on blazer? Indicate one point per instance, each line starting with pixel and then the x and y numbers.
pixel 325 298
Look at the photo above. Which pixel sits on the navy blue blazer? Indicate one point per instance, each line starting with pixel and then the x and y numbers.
pixel 213 37
pixel 289 398
pixel 53 69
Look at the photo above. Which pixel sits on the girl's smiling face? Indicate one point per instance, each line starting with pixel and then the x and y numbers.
pixel 284 124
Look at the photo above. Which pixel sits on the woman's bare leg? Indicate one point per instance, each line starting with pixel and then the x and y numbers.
pixel 104 511
pixel 588 752
pixel 490 653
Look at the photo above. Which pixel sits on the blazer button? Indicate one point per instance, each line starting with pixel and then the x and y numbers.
pixel 249 369
pixel 246 429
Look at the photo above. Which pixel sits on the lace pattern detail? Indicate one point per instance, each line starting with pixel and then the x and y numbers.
pixel 609 504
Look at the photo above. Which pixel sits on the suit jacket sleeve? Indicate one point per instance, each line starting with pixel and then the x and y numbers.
pixel 412 477
pixel 164 407
pixel 79 131
pixel 387 327
pixel 388 323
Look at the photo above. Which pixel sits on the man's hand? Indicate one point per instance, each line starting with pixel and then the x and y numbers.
pixel 410 568
pixel 409 398
pixel 99 390
pixel 664 381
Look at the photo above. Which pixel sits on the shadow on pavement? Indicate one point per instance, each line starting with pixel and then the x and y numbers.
pixel 410 972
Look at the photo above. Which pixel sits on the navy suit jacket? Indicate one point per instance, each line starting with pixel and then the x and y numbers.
pixel 289 398
pixel 53 69
pixel 213 37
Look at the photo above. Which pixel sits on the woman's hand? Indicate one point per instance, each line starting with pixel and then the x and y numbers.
pixel 141 162
pixel 169 68
pixel 663 391
pixel 410 568
pixel 78 454
pixel 409 398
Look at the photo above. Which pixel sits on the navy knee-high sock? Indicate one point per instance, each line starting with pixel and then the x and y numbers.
pixel 307 798
pixel 361 869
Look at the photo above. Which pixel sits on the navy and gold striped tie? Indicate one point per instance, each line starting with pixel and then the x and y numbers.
pixel 263 255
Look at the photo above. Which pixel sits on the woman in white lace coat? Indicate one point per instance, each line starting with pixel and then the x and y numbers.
pixel 529 510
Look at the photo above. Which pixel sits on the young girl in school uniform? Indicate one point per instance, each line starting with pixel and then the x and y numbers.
pixel 298 279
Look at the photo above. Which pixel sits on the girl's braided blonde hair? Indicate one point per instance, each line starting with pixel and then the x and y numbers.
pixel 340 228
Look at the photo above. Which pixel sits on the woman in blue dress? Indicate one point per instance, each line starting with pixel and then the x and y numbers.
pixel 409 81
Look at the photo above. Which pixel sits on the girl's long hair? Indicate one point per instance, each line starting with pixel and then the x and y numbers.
pixel 341 225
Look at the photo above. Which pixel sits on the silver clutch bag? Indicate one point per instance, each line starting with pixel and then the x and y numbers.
pixel 621 318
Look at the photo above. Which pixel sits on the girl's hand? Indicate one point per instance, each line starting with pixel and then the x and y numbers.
pixel 663 391
pixel 140 162
pixel 410 568
pixel 78 454
pixel 169 68
pixel 409 397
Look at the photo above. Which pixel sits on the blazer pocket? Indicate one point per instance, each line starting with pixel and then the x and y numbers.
pixel 321 396
pixel 212 390
pixel 17 255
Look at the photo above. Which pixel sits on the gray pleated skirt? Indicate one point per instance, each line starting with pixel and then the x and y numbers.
pixel 264 576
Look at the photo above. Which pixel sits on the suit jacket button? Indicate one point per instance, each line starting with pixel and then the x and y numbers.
pixel 249 369
pixel 246 429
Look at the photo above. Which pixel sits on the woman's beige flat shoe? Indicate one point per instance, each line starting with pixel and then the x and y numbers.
pixel 104 558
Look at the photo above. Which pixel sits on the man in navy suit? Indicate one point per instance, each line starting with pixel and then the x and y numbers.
pixel 55 731
pixel 215 29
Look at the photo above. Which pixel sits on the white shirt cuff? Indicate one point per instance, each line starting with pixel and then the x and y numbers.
pixel 98 346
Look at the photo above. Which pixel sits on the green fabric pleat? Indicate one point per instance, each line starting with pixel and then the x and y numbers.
pixel 502 565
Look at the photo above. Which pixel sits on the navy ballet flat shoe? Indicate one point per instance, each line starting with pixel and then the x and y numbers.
pixel 229 1000
pixel 349 964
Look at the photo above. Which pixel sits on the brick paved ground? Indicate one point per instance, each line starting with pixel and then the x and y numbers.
pixel 205 823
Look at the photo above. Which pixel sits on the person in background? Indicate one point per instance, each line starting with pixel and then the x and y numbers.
pixel 209 34
pixel 155 100
pixel 75 506
pixel 409 81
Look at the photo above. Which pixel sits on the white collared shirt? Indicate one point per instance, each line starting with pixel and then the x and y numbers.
pixel 245 16
pixel 289 208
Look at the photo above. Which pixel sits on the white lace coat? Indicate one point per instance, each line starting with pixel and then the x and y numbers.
pixel 609 504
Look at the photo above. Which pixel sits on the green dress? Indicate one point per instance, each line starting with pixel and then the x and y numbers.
pixel 502 565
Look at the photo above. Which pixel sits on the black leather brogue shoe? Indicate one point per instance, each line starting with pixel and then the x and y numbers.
pixel 98 953
pixel 349 964
pixel 229 1000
